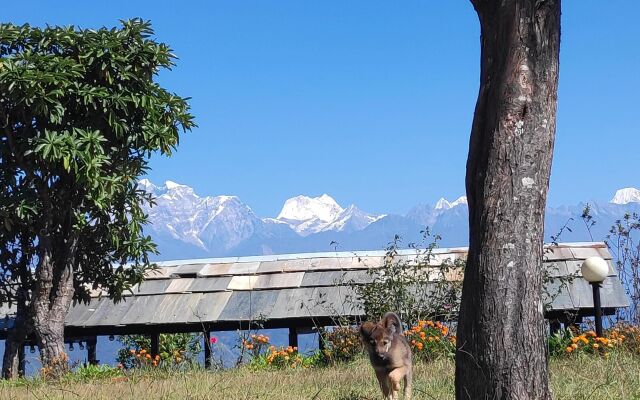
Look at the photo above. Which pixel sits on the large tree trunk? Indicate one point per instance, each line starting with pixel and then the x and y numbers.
pixel 51 300
pixel 14 344
pixel 501 340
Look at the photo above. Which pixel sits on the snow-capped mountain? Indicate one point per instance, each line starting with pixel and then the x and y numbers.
pixel 185 225
pixel 444 204
pixel 308 215
pixel 626 196
pixel 223 221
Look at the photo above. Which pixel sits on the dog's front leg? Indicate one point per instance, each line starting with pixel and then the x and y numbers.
pixel 383 380
pixel 395 377
pixel 408 385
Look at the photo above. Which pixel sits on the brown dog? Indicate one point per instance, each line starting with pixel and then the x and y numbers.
pixel 390 355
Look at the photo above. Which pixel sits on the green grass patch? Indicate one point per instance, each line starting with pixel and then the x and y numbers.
pixel 582 377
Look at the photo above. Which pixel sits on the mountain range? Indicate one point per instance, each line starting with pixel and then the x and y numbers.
pixel 186 225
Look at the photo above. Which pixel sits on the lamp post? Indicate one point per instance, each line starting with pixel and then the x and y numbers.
pixel 595 270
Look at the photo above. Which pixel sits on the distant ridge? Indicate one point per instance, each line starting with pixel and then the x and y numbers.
pixel 187 225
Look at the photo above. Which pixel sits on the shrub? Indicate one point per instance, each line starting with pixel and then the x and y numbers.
pixel 559 342
pixel 628 337
pixel 431 340
pixel 256 346
pixel 55 365
pixel 91 372
pixel 141 359
pixel 623 241
pixel 283 357
pixel 343 344
pixel 568 342
pixel 412 288
pixel 264 355
pixel 176 350
pixel 589 343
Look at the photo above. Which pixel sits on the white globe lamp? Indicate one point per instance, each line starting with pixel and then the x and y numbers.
pixel 594 269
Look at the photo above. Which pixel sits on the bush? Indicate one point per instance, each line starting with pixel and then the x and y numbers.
pixel 431 340
pixel 623 242
pixel 264 355
pixel 256 346
pixel 342 344
pixel 628 337
pixel 92 372
pixel 412 288
pixel 569 343
pixel 283 357
pixel 559 342
pixel 176 350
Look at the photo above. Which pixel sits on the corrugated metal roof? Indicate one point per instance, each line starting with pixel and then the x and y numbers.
pixel 300 286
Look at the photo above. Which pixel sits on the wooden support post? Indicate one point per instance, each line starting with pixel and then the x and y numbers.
pixel 554 326
pixel 207 349
pixel 321 338
pixel 91 350
pixel 293 336
pixel 155 345
pixel 21 361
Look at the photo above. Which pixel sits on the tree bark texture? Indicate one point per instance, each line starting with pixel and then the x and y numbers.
pixel 501 339
pixel 22 328
pixel 52 298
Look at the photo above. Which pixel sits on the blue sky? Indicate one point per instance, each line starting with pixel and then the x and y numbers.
pixel 368 101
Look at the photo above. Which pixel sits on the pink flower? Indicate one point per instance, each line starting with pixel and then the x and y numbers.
pixel 213 340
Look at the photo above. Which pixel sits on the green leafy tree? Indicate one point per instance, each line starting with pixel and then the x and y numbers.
pixel 80 116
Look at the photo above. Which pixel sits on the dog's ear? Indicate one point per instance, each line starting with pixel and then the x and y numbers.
pixel 392 323
pixel 366 330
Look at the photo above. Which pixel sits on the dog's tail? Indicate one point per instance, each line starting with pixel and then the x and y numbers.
pixel 392 322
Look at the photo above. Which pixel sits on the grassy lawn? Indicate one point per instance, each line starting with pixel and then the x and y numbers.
pixel 617 377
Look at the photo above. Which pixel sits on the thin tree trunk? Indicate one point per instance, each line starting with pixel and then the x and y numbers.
pixel 501 340
pixel 22 328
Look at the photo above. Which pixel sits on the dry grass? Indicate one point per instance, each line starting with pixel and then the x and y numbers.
pixel 579 378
